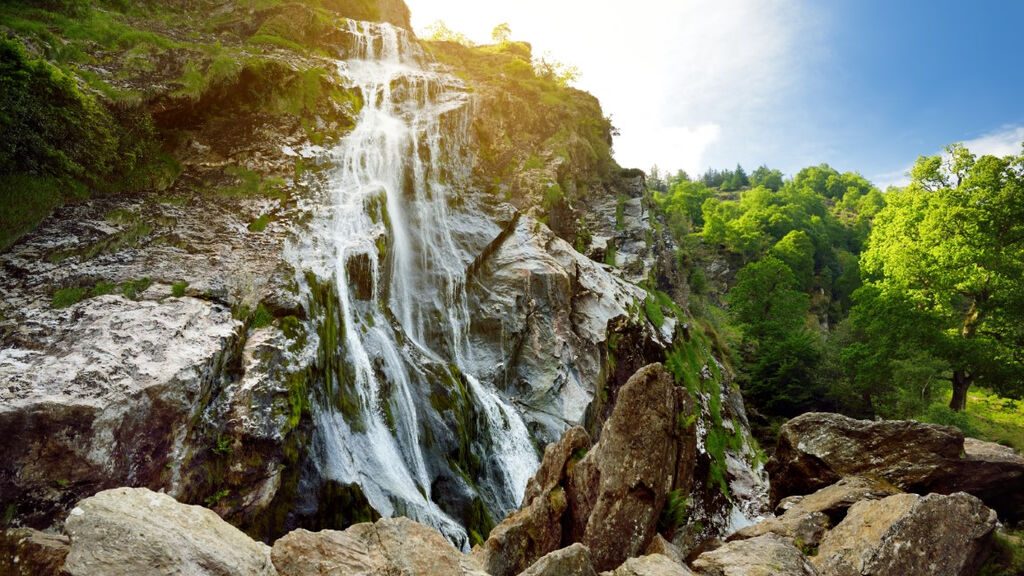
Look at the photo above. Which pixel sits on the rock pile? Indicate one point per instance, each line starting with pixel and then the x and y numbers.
pixel 596 509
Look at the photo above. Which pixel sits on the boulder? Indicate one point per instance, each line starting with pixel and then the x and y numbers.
pixel 650 565
pixel 659 545
pixel 806 518
pixel 393 546
pixel 571 561
pixel 815 450
pixel 109 400
pixel 610 497
pixel 909 535
pixel 993 473
pixel 138 532
pixel 766 554
pixel 620 487
pixel 536 528
pixel 28 552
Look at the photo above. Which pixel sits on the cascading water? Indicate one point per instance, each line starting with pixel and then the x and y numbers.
pixel 383 240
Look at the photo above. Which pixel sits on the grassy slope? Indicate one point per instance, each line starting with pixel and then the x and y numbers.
pixel 82 77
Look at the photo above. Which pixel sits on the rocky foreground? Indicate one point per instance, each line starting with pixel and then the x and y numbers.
pixel 846 493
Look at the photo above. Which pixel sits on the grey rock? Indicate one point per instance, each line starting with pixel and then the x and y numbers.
pixel 767 554
pixel 391 546
pixel 909 535
pixel 806 519
pixel 570 561
pixel 109 399
pixel 815 450
pixel 650 565
pixel 138 532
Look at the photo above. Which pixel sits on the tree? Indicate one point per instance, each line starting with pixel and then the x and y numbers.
pixel 766 302
pixel 501 33
pixel 797 251
pixel 952 241
pixel 763 176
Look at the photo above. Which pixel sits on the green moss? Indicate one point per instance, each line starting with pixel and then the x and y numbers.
pixel 132 288
pixel 26 199
pixel 653 311
pixel 178 288
pixel 260 224
pixel 68 296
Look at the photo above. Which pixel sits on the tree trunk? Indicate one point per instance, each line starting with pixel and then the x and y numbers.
pixel 961 382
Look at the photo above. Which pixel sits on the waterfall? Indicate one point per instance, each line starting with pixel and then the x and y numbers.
pixel 381 237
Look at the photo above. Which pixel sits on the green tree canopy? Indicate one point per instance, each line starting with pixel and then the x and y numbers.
pixel 953 243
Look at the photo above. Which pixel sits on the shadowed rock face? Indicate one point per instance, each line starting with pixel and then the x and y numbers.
pixel 817 449
pixel 907 534
pixel 28 552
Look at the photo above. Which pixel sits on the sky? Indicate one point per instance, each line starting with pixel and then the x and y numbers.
pixel 863 85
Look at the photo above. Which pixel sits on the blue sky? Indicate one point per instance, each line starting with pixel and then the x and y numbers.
pixel 864 85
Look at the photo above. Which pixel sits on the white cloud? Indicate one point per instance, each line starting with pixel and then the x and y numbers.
pixel 689 83
pixel 1003 142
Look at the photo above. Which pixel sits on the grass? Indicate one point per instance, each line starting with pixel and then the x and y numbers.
pixel 1007 556
pixel 988 417
pixel 66 297
pixel 260 224
pixel 178 289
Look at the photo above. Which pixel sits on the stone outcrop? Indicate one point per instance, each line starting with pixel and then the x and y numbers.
pixel 570 561
pixel 109 399
pixel 650 565
pixel 767 554
pixel 609 498
pixel 817 449
pixel 393 546
pixel 28 552
pixel 137 532
pixel 806 518
pixel 909 535
pixel 619 488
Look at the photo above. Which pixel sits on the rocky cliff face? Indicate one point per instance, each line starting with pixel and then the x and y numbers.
pixel 346 296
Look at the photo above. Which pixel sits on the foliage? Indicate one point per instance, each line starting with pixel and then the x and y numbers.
pixel 951 245
pixel 68 296
pixel 178 288
pixel 440 32
pixel 1006 557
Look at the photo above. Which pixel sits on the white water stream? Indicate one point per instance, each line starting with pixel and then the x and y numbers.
pixel 404 298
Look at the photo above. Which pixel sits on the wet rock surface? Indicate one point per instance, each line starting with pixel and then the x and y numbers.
pixel 143 533
pixel 110 395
